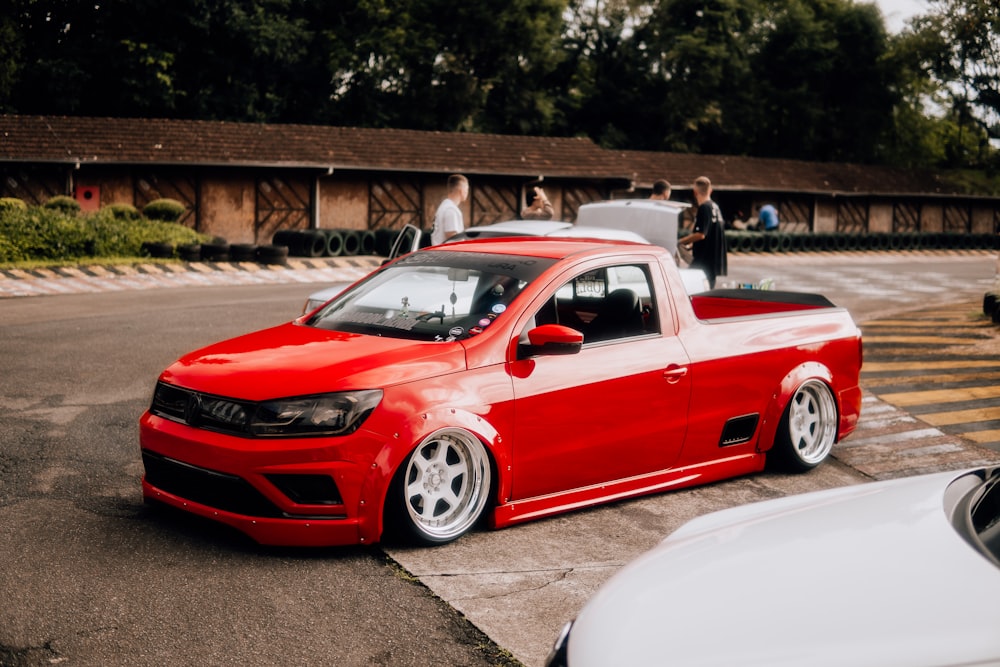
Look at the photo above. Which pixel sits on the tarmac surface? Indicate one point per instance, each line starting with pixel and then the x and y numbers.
pixel 931 403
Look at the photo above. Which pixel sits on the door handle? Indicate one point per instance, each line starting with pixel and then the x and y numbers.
pixel 674 373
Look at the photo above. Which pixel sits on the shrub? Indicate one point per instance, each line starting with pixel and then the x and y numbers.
pixel 124 211
pixel 41 233
pixel 8 251
pixel 12 204
pixel 64 204
pixel 121 237
pixel 165 210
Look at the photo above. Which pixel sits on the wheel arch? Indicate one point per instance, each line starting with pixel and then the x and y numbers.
pixel 782 394
pixel 405 440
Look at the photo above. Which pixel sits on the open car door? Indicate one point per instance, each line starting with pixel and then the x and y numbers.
pixel 407 241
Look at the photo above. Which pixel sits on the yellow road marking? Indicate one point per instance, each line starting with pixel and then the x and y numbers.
pixel 962 416
pixel 910 398
pixel 983 436
pixel 924 324
pixel 878 366
pixel 938 340
pixel 927 379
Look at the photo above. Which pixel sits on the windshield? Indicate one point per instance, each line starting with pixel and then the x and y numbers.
pixel 433 295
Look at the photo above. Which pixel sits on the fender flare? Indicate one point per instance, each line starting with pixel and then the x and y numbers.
pixel 414 430
pixel 809 370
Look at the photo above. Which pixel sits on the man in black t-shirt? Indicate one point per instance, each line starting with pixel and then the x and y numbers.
pixel 708 238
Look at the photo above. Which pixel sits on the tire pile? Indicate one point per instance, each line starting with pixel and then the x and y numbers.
pixel 739 241
pixel 991 306
pixel 335 242
pixel 284 244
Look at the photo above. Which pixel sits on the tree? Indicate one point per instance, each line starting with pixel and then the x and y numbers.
pixel 436 64
pixel 698 55
pixel 606 91
pixel 232 60
pixel 825 90
pixel 957 44
pixel 11 48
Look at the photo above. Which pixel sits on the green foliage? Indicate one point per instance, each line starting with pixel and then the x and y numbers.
pixel 46 232
pixel 12 203
pixel 808 79
pixel 124 211
pixel 63 203
pixel 944 119
pixel 824 89
pixel 973 182
pixel 968 36
pixel 40 233
pixel 166 210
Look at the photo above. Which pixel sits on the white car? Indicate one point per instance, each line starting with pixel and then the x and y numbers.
pixel 695 280
pixel 903 572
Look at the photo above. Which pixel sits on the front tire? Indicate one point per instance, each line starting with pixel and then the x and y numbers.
pixel 442 488
pixel 808 428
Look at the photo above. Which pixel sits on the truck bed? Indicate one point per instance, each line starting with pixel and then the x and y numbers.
pixel 730 303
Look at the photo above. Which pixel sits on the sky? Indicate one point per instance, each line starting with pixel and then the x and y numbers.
pixel 896 12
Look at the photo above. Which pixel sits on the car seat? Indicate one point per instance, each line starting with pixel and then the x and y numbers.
pixel 618 316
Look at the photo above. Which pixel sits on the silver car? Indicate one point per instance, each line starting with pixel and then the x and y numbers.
pixel 903 572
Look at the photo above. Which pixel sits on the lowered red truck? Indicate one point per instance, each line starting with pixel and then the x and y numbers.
pixel 497 381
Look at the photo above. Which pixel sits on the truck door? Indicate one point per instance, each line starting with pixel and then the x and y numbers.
pixel 616 409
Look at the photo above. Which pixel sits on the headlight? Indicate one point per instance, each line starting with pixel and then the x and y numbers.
pixel 325 414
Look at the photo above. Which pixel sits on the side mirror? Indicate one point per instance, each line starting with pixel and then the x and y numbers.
pixel 551 339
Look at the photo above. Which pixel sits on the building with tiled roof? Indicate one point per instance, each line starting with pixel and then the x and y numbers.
pixel 244 181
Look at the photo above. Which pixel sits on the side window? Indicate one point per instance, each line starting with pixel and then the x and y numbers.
pixel 604 304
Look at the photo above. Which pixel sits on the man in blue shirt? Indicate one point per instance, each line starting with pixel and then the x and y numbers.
pixel 767 219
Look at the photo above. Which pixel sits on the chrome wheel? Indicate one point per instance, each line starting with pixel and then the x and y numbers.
pixel 446 485
pixel 809 427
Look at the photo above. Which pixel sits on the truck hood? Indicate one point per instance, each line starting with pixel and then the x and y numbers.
pixel 871 574
pixel 298 360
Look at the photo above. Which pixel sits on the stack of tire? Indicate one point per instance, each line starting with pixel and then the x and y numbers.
pixel 219 250
pixel 991 306
pixel 772 242
pixel 327 242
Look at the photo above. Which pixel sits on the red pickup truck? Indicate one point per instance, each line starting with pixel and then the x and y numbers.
pixel 497 381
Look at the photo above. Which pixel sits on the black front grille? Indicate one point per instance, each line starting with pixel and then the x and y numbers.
pixel 207 487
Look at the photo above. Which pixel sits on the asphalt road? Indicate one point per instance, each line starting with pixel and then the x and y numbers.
pixel 92 577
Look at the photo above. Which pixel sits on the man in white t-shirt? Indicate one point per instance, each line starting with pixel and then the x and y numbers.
pixel 448 219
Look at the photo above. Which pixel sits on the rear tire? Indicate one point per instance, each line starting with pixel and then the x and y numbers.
pixel 808 428
pixel 441 490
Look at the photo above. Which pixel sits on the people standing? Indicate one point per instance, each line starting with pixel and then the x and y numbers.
pixel 540 207
pixel 448 219
pixel 708 238
pixel 661 190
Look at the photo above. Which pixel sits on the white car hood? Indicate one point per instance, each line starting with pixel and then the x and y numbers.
pixel 872 574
